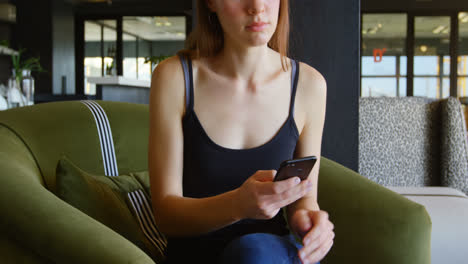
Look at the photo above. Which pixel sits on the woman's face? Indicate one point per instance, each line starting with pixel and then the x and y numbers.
pixel 249 22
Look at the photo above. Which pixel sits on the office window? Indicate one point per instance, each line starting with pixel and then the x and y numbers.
pixel 144 68
pixel 463 54
pixel 130 56
pixel 100 44
pixel 432 56
pixel 109 47
pixel 383 61
pixel 92 61
pixel 147 38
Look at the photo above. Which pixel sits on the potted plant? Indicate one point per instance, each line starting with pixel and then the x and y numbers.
pixel 32 64
pixel 15 94
pixel 155 59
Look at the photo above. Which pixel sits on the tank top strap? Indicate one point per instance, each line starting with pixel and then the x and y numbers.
pixel 188 76
pixel 294 80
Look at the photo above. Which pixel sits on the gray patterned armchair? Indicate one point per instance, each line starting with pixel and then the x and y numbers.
pixel 418 148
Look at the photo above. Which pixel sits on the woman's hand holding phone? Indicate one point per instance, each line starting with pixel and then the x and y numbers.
pixel 260 197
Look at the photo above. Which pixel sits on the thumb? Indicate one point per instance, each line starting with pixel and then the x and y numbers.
pixel 265 176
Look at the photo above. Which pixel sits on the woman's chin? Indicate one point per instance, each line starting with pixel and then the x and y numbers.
pixel 257 41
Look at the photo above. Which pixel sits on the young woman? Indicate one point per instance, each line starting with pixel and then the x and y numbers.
pixel 223 115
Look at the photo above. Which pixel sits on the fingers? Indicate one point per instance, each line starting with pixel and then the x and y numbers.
pixel 319 240
pixel 293 194
pixel 275 195
pixel 265 175
pixel 322 218
pixel 314 244
pixel 313 253
pixel 278 187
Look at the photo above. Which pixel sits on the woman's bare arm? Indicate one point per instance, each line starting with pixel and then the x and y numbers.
pixel 313 94
pixel 175 214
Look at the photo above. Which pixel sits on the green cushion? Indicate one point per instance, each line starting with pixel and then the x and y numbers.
pixel 106 199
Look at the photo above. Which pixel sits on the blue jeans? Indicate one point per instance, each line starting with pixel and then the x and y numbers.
pixel 259 248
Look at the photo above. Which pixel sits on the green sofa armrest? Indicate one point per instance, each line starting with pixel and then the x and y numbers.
pixel 40 221
pixel 13 252
pixel 372 223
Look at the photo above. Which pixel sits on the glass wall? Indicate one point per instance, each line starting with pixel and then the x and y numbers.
pixel 432 56
pixel 130 56
pixel 144 68
pixel 109 47
pixel 384 58
pixel 146 40
pixel 92 61
pixel 463 54
pixel 100 43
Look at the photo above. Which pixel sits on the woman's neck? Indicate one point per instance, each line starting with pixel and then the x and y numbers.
pixel 249 65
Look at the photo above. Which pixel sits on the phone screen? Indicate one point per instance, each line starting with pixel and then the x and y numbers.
pixel 296 167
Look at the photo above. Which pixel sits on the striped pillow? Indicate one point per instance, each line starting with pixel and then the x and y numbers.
pixel 122 203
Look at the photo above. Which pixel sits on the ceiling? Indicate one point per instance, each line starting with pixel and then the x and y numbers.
pixel 144 27
pixel 394 26
pixel 158 5
pixel 107 1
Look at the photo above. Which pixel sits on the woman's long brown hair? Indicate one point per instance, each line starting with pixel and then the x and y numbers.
pixel 207 38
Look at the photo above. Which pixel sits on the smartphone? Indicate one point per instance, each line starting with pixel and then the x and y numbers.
pixel 295 167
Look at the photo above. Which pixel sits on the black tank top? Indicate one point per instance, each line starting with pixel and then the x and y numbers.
pixel 210 169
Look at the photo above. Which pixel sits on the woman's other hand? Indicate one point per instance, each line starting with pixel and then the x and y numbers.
pixel 316 232
pixel 260 197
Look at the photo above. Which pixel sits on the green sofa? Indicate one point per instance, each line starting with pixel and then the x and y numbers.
pixel 372 223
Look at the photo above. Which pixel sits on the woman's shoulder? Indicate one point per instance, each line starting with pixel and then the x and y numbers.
pixel 168 65
pixel 311 96
pixel 310 73
pixel 168 82
pixel 311 82
pixel 168 73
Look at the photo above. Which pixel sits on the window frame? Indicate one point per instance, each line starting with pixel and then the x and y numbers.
pixel 80 42
pixel 410 41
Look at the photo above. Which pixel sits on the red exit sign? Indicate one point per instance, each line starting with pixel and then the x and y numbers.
pixel 378 54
